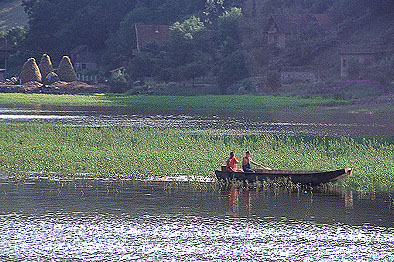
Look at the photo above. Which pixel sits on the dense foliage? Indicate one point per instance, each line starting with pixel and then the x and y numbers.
pixel 206 37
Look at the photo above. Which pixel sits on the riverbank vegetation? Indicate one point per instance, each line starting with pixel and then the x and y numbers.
pixel 174 103
pixel 133 152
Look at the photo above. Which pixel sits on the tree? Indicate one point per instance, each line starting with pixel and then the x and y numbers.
pixel 58 26
pixel 303 47
pixel 229 24
pixel 16 36
pixel 184 39
pixel 28 5
pixel 232 69
pixel 213 9
pixel 119 81
pixel 143 65
pixel 273 79
pixel 229 30
pixel 192 71
pixel 121 43
pixel 383 72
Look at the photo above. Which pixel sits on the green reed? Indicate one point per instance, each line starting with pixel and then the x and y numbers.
pixel 134 152
pixel 173 103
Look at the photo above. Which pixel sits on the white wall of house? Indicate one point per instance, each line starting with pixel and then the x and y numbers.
pixel 85 66
pixel 347 58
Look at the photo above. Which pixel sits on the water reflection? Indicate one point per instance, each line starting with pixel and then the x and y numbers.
pixel 131 220
pixel 325 122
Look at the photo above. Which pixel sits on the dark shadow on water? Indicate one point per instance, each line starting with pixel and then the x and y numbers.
pixel 44 220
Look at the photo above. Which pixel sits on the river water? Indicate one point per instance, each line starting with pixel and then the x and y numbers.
pixel 96 220
pixel 105 220
pixel 323 122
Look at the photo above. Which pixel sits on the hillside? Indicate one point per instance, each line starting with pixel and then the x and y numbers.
pixel 214 40
pixel 12 14
pixel 372 35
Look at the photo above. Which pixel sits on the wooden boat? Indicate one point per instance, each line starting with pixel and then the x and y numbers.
pixel 312 178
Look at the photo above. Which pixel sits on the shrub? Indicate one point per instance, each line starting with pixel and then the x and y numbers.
pixel 119 82
pixel 273 80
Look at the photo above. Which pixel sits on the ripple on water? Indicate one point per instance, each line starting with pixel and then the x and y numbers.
pixel 325 122
pixel 167 237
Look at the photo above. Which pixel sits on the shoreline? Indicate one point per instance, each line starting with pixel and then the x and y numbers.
pixel 176 103
pixel 199 103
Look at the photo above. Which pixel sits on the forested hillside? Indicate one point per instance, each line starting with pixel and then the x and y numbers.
pixel 12 14
pixel 225 39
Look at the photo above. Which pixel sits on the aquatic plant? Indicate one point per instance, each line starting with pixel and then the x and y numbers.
pixel 127 152
pixel 175 103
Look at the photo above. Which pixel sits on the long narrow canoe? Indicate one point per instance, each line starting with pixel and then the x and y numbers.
pixel 312 178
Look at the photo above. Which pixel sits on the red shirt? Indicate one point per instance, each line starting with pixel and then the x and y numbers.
pixel 231 163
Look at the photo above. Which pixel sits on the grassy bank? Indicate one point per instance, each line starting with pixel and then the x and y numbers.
pixel 173 103
pixel 129 151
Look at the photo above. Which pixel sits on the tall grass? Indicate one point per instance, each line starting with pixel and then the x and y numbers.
pixel 127 151
pixel 173 103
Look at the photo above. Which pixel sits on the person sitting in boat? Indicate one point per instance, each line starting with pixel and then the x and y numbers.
pixel 246 164
pixel 232 164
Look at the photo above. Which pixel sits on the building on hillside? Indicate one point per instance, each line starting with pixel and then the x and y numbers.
pixel 281 26
pixel 290 76
pixel 150 33
pixel 2 75
pixel 84 59
pixel 364 58
pixel 121 69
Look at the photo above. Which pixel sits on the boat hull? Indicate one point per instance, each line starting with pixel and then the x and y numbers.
pixel 299 177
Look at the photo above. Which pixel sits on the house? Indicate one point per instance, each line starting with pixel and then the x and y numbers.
pixel 121 69
pixel 281 26
pixel 84 59
pixel 2 75
pixel 291 76
pixel 150 33
pixel 364 58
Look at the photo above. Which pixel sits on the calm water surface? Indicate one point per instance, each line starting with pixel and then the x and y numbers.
pixel 324 122
pixel 89 220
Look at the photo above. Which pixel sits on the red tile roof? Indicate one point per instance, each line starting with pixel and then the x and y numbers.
pixel 82 54
pixel 151 33
pixel 79 49
pixel 293 23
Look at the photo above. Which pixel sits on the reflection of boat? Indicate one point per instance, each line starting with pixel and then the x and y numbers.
pixel 302 177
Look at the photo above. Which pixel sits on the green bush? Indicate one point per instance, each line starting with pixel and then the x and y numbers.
pixel 273 80
pixel 119 82
pixel 383 72
pixel 232 69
